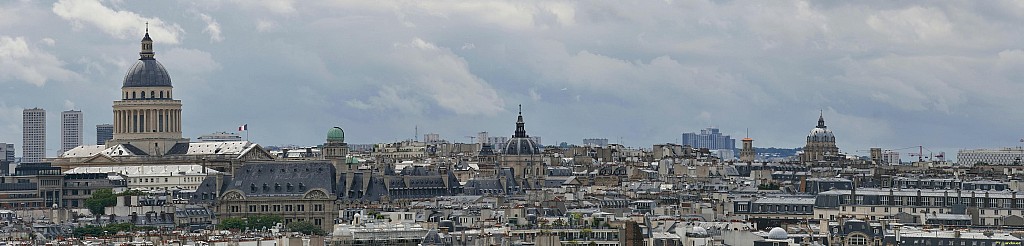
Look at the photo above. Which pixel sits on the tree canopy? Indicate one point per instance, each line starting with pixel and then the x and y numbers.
pixel 306 227
pixel 100 199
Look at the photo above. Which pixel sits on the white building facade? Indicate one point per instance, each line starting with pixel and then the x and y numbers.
pixel 70 130
pixel 33 147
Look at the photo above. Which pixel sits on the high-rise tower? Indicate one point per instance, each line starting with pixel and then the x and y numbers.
pixel 147 116
pixel 33 147
pixel 70 130
pixel 104 132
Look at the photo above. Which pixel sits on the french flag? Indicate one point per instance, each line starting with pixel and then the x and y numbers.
pixel 244 127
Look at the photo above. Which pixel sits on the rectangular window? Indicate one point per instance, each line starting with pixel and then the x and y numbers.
pixel 300 208
pixel 252 208
pixel 264 208
pixel 277 208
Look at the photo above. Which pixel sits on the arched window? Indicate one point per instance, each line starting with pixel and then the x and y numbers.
pixel 142 95
pixel 133 95
pixel 161 94
pixel 152 94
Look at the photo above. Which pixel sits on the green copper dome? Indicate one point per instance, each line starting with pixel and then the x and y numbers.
pixel 335 135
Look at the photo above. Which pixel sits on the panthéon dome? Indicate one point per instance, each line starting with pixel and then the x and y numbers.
pixel 147 72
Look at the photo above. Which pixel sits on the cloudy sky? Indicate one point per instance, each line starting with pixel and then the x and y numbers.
pixel 891 74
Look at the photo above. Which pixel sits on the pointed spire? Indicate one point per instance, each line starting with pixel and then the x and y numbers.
pixel 821 119
pixel 520 125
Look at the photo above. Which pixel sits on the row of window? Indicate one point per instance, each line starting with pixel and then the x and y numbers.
pixel 277 208
pixel 152 95
pixel 937 201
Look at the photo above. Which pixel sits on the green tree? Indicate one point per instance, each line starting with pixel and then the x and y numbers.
pixel 306 227
pixel 100 199
pixel 232 223
pixel 259 222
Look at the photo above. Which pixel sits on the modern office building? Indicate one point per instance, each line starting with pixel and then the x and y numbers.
pixel 710 138
pixel 7 152
pixel 6 157
pixel 70 130
pixel 220 137
pixel 1001 157
pixel 33 146
pixel 104 132
pixel 596 142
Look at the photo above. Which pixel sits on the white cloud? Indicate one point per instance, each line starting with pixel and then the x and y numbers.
pixel 22 62
pixel 69 105
pixel 188 61
pixel 117 23
pixel 429 73
pixel 48 41
pixel 279 7
pixel 263 25
pixel 212 28
pixel 912 24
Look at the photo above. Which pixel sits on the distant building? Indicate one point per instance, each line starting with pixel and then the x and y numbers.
pixel 7 152
pixel 70 130
pixel 596 142
pixel 432 138
pixel 6 158
pixel 821 144
pixel 481 137
pixel 523 156
pixel 104 132
pixel 1004 156
pixel 147 128
pixel 747 154
pixel 33 147
pixel 710 138
pixel 220 137
pixel 497 142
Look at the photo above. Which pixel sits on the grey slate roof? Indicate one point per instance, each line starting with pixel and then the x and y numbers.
pixel 147 73
pixel 283 178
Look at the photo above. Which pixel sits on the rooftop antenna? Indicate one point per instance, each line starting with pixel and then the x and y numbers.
pixel 416 134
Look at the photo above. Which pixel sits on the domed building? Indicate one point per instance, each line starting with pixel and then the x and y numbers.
pixel 147 116
pixel 776 237
pixel 335 148
pixel 821 144
pixel 523 157
pixel 148 130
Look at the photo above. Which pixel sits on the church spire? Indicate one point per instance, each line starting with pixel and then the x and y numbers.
pixel 821 119
pixel 147 46
pixel 520 125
